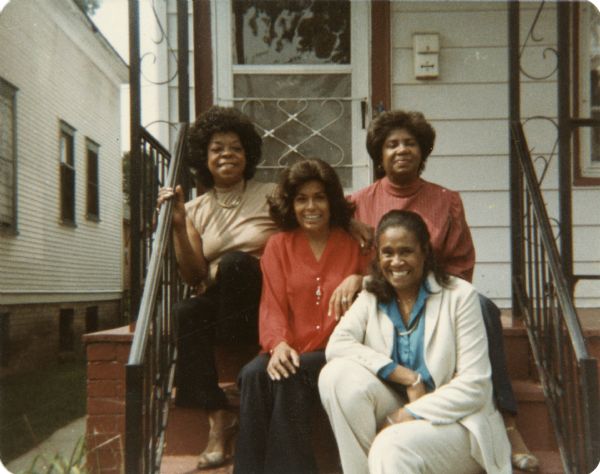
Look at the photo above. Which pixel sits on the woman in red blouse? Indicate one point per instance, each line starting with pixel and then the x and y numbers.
pixel 302 267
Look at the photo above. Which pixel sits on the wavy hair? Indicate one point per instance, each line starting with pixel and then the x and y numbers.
pixel 281 204
pixel 414 122
pixel 412 222
pixel 221 120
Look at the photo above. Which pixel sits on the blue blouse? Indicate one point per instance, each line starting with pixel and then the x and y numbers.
pixel 409 344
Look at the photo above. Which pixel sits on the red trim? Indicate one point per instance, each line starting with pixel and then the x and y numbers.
pixel 380 54
pixel 578 177
pixel 203 65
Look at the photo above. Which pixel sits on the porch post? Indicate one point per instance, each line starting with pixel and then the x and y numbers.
pixel 516 176
pixel 565 173
pixel 135 173
pixel 183 61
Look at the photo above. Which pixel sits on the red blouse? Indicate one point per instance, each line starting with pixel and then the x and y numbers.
pixel 297 288
pixel 441 209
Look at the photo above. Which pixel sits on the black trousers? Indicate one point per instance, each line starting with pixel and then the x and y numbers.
pixel 226 313
pixel 275 431
pixel 503 392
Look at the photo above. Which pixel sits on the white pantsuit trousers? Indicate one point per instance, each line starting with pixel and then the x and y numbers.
pixel 357 402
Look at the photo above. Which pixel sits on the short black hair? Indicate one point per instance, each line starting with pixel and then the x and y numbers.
pixel 222 120
pixel 414 122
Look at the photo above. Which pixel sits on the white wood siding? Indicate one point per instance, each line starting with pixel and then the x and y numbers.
pixel 63 72
pixel 468 106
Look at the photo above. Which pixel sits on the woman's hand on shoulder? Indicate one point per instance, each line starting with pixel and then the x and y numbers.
pixel 283 362
pixel 166 194
pixel 363 234
pixel 343 296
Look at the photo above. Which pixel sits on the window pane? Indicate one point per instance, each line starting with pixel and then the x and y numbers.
pixel 286 32
pixel 7 158
pixel 299 116
pixel 92 184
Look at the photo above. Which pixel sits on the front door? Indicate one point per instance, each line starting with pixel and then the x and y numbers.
pixel 300 70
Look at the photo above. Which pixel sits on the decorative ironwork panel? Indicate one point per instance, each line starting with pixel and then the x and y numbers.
pixel 315 125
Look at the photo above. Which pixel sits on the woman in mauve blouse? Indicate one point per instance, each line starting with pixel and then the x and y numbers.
pixel 302 266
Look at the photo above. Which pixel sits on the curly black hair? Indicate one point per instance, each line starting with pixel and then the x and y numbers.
pixel 412 222
pixel 221 120
pixel 281 204
pixel 414 122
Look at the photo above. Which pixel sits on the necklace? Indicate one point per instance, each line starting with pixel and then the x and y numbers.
pixel 235 202
pixel 413 326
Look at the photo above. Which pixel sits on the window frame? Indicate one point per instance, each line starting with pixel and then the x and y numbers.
pixel 67 174
pixel 9 91
pixel 586 171
pixel 92 190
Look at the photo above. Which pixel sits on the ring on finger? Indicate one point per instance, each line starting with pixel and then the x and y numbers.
pixel 344 299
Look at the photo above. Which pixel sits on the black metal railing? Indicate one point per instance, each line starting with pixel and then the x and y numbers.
pixel 151 365
pixel 568 374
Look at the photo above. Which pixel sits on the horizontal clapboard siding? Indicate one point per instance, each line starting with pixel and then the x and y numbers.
pixel 67 75
pixel 468 106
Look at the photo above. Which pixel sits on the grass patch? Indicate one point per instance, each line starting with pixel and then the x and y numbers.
pixel 35 404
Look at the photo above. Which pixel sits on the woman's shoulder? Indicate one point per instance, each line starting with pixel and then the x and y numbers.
pixel 365 193
pixel 196 203
pixel 438 189
pixel 455 285
pixel 258 188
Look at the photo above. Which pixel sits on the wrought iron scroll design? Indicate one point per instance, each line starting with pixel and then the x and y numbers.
pixel 294 111
pixel 542 160
pixel 532 38
pixel 163 37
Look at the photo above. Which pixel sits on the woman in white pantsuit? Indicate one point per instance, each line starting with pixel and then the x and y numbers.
pixel 407 385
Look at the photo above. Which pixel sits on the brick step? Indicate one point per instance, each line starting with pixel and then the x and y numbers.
pixel 533 420
pixel 550 463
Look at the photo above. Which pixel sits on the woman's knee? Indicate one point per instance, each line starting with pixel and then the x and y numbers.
pixel 232 263
pixel 390 451
pixel 344 378
pixel 254 371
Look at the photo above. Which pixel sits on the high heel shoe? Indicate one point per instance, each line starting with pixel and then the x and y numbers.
pixel 225 438
pixel 525 460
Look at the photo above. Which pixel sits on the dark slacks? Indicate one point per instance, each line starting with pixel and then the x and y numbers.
pixel 275 418
pixel 503 392
pixel 226 313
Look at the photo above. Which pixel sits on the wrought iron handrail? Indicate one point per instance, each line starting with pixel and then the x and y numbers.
pixel 151 364
pixel 567 372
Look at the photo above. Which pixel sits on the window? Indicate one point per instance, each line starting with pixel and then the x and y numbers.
pixel 8 162
pixel 4 339
pixel 66 335
pixel 67 173
pixel 587 23
pixel 300 71
pixel 92 195
pixel 91 319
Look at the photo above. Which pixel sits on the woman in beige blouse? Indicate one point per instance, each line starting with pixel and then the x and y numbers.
pixel 218 238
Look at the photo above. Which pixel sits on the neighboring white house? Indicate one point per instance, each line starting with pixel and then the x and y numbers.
pixel 61 205
pixel 467 100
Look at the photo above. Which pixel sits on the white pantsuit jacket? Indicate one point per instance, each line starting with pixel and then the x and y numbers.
pixel 456 354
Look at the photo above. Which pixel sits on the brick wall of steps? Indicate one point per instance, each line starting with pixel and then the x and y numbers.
pixel 188 428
